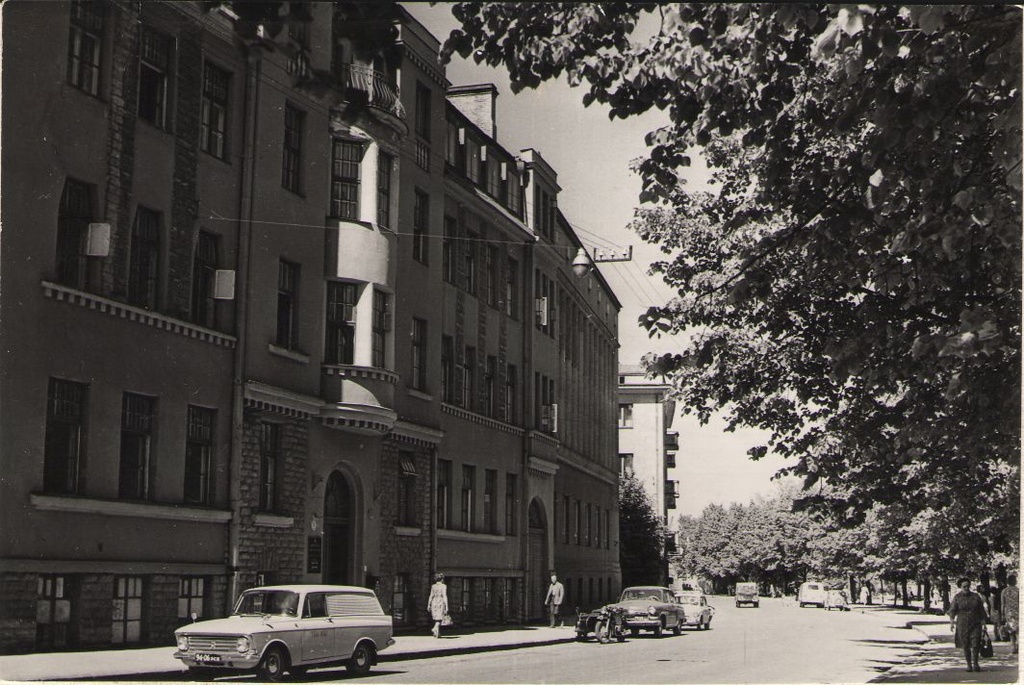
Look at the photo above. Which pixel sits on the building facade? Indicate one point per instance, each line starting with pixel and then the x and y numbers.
pixel 647 443
pixel 278 307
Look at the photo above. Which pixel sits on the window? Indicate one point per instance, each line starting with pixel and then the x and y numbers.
pixel 565 519
pixel 447 369
pixel 544 212
pixel 491 501
pixel 511 504
pixel 73 219
pixel 607 528
pixel 586 525
pixel 626 464
pixel 670 460
pixel 199 455
pixel 381 326
pixel 270 452
pixel 468 499
pixel 515 194
pixel 85 45
pixel 204 270
pixel 339 346
pixel 422 126
pixel 512 289
pixel 155 58
pixel 346 156
pixel 137 423
pixel 191 597
pixel 421 227
pixel 419 354
pixel 444 493
pixel 448 250
pixel 491 387
pixel 597 527
pixel 214 114
pixel 465 596
pixel 496 186
pixel 577 522
pixel 469 255
pixel 287 305
pixel 144 264
pixel 291 158
pixel 53 611
pixel 399 596
pixel 384 163
pixel 473 160
pixel 65 436
pixel 406 493
pixel 452 156
pixel 511 393
pixel 625 416
pixel 469 379
pixel 491 270
pixel 127 610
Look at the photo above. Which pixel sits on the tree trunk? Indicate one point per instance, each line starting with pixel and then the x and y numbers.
pixel 903 585
pixel 927 594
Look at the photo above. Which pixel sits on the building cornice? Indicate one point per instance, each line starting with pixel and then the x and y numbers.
pixel 142 510
pixel 121 310
pixel 473 417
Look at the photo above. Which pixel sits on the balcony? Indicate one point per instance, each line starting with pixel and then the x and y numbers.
pixel 672 441
pixel 364 85
pixel 358 398
pixel 671 493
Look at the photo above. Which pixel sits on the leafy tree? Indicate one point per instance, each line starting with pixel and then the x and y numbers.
pixel 854 277
pixel 641 536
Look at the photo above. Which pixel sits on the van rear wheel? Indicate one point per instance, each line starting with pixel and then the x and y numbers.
pixel 362 659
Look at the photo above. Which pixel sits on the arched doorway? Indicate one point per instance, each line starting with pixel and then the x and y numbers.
pixel 337 531
pixel 537 576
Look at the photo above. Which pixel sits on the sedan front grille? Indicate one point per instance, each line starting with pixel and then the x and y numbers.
pixel 209 643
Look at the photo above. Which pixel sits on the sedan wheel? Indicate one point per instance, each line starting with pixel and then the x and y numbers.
pixel 677 629
pixel 658 629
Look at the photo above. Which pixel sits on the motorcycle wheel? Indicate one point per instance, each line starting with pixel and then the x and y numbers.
pixel 601 632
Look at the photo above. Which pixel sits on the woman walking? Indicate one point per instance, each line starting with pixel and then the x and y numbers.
pixel 437 605
pixel 967 616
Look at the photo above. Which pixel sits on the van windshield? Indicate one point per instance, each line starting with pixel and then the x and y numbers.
pixel 267 602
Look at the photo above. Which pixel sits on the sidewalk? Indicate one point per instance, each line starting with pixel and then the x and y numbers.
pixel 156 661
pixel 938 661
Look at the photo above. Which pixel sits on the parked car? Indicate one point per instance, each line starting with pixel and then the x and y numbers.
pixel 607 624
pixel 651 608
pixel 746 593
pixel 835 598
pixel 811 592
pixel 698 613
pixel 289 628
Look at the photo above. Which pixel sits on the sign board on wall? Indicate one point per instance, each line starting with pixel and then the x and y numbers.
pixel 314 553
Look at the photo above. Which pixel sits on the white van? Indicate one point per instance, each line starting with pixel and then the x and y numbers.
pixel 812 592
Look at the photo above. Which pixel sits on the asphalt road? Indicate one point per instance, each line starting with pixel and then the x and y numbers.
pixel 775 643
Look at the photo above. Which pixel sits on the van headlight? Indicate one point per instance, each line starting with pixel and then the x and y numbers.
pixel 242 645
pixel 182 643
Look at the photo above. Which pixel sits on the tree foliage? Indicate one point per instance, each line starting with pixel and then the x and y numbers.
pixel 641 536
pixel 851 283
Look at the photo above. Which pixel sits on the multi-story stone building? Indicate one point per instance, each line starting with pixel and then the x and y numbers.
pixel 647 443
pixel 278 307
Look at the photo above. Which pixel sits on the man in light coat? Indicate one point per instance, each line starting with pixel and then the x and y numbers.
pixel 553 599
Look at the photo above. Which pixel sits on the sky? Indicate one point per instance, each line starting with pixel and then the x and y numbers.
pixel 592 156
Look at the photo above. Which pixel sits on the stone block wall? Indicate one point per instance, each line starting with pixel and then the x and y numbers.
pixel 17 612
pixel 273 550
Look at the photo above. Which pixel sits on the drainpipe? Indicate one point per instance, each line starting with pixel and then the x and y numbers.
pixel 245 213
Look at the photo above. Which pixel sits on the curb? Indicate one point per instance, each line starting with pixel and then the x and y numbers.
pixel 476 649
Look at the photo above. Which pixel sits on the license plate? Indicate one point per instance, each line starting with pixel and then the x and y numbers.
pixel 208 658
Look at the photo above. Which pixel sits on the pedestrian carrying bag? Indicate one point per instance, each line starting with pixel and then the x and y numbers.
pixel 986 644
pixel 446 620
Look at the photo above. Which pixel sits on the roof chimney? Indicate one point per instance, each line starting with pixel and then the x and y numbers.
pixel 478 104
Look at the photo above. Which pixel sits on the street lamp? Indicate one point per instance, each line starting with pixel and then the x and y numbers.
pixel 581 264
